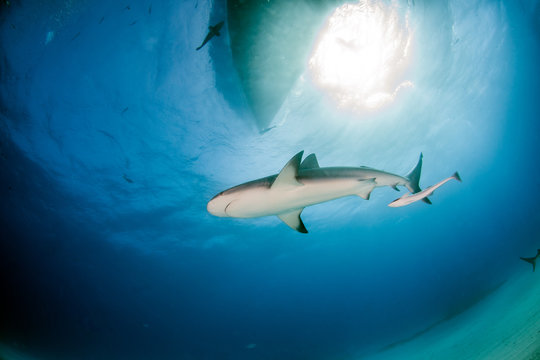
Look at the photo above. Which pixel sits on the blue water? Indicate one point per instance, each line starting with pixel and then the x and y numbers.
pixel 115 133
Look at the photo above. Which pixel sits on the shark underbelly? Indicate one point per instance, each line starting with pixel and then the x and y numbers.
pixel 264 201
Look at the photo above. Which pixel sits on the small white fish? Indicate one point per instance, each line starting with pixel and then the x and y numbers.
pixel 422 195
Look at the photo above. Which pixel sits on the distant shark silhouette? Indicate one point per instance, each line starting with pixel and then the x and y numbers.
pixel 422 195
pixel 301 184
pixel 213 31
pixel 532 260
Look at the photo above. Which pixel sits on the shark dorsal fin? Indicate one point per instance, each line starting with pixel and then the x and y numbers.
pixel 293 220
pixel 310 162
pixel 287 176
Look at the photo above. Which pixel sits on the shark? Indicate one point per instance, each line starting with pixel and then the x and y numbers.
pixel 422 195
pixel 532 260
pixel 304 183
pixel 212 31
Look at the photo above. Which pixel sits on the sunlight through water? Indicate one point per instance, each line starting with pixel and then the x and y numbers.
pixel 361 55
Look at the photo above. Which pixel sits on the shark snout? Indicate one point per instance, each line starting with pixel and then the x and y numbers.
pixel 218 206
pixel 211 207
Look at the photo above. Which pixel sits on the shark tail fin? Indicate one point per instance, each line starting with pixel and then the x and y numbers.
pixel 414 177
pixel 530 261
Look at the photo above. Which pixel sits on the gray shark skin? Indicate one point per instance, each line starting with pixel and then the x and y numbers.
pixel 213 31
pixel 301 184
pixel 532 260
pixel 422 195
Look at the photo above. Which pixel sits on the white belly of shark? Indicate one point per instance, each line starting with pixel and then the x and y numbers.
pixel 301 184
pixel 271 201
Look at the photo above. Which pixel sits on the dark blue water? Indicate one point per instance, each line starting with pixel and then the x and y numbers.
pixel 115 133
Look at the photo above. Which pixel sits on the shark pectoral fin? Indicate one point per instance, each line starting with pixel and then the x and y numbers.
pixel 367 187
pixel 293 220
pixel 310 162
pixel 287 176
pixel 531 261
pixel 427 201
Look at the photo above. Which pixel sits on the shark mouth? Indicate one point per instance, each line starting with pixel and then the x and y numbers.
pixel 226 207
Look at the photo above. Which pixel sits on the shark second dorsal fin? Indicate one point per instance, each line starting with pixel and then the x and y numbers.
pixel 293 220
pixel 310 162
pixel 287 175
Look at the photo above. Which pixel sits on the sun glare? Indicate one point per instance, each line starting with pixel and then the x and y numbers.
pixel 361 55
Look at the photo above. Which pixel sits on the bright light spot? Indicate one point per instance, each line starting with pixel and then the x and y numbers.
pixel 361 55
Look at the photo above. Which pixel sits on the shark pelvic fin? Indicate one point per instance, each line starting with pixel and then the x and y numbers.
pixel 293 220
pixel 395 187
pixel 310 162
pixel 367 187
pixel 427 201
pixel 287 176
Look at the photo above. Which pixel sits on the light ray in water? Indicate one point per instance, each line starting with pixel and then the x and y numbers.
pixel 361 55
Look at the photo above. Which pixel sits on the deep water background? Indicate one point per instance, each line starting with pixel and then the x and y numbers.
pixel 115 133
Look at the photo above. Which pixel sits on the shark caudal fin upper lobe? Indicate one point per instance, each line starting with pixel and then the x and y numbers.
pixel 414 179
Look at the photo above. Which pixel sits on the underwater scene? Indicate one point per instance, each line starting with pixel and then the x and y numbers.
pixel 269 179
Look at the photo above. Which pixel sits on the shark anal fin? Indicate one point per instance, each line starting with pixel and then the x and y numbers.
pixel 287 175
pixel 367 188
pixel 293 220
pixel 310 162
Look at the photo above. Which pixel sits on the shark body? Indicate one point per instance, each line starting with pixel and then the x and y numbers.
pixel 422 195
pixel 301 184
pixel 212 31
pixel 532 260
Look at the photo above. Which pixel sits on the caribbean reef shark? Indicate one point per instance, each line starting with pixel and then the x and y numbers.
pixel 422 195
pixel 532 260
pixel 301 184
pixel 213 31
